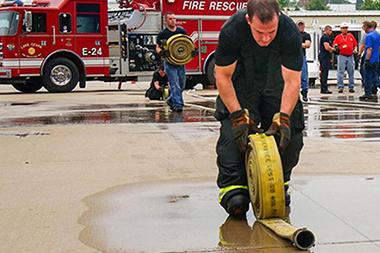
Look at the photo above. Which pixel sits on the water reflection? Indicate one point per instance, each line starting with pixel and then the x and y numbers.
pixel 155 115
pixel 237 233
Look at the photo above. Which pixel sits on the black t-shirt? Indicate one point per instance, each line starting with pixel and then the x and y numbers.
pixel 166 34
pixel 162 80
pixel 236 33
pixel 323 53
pixel 305 37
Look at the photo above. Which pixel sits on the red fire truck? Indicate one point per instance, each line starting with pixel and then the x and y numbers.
pixel 57 44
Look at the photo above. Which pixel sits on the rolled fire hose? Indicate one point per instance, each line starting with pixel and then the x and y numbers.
pixel 180 48
pixel 266 190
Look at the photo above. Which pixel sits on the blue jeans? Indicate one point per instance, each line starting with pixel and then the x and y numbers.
pixel 304 76
pixel 371 79
pixel 177 79
pixel 343 63
pixel 361 70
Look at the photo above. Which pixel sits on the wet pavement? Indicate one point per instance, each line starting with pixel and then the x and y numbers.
pixel 102 115
pixel 185 217
pixel 340 117
pixel 72 167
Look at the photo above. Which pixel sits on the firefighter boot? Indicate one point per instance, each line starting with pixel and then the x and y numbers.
pixel 238 205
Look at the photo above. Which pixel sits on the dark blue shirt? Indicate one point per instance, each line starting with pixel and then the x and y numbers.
pixel 166 34
pixel 373 41
pixel 323 53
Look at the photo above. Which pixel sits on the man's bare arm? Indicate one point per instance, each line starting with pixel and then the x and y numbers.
pixel 158 49
pixel 306 44
pixel 328 47
pixel 290 94
pixel 361 48
pixel 368 54
pixel 223 75
pixel 157 85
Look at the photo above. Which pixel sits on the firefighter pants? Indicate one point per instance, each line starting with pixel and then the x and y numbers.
pixel 324 72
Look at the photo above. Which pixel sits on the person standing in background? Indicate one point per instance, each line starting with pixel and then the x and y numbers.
pixel 306 43
pixel 324 56
pixel 371 57
pixel 347 44
pixel 176 74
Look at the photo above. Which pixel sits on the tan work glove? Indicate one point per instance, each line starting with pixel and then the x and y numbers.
pixel 281 128
pixel 242 127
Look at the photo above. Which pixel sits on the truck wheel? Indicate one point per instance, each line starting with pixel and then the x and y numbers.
pixel 30 86
pixel 210 71
pixel 60 75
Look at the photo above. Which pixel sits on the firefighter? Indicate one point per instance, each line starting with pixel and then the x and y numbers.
pixel 158 85
pixel 176 74
pixel 324 57
pixel 258 73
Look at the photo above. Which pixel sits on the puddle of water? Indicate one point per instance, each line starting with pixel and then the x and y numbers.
pixel 170 218
pixel 341 122
pixel 19 103
pixel 159 115
pixel 134 106
pixel 208 104
pixel 185 217
pixel 321 120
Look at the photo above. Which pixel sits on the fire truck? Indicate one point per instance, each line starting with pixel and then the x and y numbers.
pixel 58 44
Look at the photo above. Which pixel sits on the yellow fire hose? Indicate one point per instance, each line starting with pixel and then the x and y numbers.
pixel 180 48
pixel 266 190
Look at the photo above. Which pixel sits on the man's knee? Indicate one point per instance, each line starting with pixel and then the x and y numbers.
pixel 230 160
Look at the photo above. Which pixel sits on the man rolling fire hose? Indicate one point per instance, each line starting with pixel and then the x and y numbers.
pixel 258 66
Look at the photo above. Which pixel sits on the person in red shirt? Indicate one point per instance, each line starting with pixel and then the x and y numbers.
pixel 347 46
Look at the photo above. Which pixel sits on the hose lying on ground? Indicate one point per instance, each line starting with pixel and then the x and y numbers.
pixel 266 190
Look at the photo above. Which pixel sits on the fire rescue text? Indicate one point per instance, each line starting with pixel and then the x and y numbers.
pixel 213 5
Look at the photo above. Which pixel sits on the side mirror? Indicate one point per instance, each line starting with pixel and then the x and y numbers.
pixel 28 21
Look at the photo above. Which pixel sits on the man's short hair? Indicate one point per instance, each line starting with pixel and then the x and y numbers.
pixel 169 13
pixel 368 24
pixel 161 67
pixel 327 27
pixel 265 10
pixel 374 24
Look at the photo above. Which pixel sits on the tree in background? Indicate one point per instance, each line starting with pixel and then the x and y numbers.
pixel 284 4
pixel 370 5
pixel 287 5
pixel 317 5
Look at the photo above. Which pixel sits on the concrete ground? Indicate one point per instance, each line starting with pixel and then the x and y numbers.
pixel 105 170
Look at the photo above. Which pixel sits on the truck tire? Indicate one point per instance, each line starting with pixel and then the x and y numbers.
pixel 30 86
pixel 210 71
pixel 60 75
